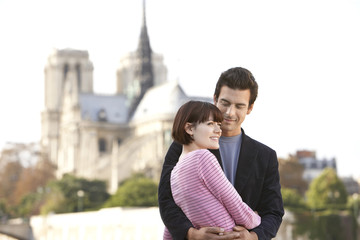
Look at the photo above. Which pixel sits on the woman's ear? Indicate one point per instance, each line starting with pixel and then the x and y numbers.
pixel 189 128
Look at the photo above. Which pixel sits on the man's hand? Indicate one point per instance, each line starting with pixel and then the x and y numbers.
pixel 245 234
pixel 211 233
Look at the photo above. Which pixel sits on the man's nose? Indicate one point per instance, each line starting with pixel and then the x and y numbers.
pixel 229 110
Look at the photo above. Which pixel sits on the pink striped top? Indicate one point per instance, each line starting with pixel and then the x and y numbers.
pixel 201 189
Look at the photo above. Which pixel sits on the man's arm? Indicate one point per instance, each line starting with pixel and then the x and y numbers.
pixel 219 186
pixel 270 206
pixel 173 217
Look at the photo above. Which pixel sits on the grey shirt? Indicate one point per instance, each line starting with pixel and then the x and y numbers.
pixel 229 152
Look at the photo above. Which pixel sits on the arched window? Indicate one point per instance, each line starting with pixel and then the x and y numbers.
pixel 102 145
pixel 65 70
pixel 102 116
pixel 78 76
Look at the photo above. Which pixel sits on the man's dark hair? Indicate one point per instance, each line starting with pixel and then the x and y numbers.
pixel 237 78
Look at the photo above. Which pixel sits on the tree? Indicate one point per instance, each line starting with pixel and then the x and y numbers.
pixel 292 199
pixel 29 205
pixel 23 178
pixel 323 225
pixel 327 191
pixel 34 179
pixel 291 174
pixel 9 177
pixel 63 195
pixel 54 201
pixel 354 204
pixel 3 210
pixel 135 191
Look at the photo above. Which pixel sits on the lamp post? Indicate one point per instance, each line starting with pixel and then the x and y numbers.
pixel 80 195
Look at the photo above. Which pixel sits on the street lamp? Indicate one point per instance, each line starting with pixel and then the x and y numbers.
pixel 80 195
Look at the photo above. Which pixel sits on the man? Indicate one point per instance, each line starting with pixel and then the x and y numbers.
pixel 250 166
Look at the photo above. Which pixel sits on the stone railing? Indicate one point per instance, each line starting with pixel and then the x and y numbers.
pixel 108 223
pixel 113 224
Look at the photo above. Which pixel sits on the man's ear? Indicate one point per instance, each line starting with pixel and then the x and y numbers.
pixel 250 108
pixel 215 99
pixel 189 128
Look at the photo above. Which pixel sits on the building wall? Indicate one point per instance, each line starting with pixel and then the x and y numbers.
pixel 110 224
pixel 73 143
pixel 118 223
pixel 125 74
pixel 313 166
pixel 93 162
pixel 143 152
pixel 60 64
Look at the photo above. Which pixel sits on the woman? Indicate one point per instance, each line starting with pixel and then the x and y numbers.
pixel 198 184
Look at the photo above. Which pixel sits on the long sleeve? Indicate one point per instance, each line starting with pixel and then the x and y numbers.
pixel 173 217
pixel 215 180
pixel 270 206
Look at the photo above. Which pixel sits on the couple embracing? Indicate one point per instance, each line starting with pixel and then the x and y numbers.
pixel 217 182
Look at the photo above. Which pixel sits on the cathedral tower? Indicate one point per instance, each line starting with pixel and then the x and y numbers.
pixel 144 70
pixel 140 70
pixel 62 64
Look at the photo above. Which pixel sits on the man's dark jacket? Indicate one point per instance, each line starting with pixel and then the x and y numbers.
pixel 257 181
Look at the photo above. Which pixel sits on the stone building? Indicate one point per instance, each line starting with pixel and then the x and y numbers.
pixel 109 136
pixel 313 166
pixel 351 185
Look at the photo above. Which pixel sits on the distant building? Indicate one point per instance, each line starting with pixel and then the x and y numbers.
pixel 28 154
pixel 351 185
pixel 313 166
pixel 109 136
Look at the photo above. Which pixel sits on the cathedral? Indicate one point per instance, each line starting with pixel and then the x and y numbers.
pixel 109 137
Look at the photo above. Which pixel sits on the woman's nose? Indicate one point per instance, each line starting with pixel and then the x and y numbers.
pixel 218 129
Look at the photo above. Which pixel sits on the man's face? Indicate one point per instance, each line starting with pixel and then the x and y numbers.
pixel 234 105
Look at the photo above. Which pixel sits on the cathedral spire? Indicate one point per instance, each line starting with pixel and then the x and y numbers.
pixel 144 16
pixel 144 69
pixel 144 54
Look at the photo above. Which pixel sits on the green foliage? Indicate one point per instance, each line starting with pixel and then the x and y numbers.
pixel 3 209
pixel 354 204
pixel 291 175
pixel 29 205
pixel 327 191
pixel 292 199
pixel 20 185
pixel 55 201
pixel 135 191
pixel 64 195
pixel 9 176
pixel 324 225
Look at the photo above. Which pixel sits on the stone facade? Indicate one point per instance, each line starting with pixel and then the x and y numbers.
pixel 108 137
pixel 109 224
pixel 62 67
pixel 313 166
pixel 125 74
pixel 123 223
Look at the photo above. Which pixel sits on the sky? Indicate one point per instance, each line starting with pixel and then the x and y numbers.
pixel 304 54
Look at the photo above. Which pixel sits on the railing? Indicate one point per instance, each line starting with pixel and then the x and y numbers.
pixel 20 231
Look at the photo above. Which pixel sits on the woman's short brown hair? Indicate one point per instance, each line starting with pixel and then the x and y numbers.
pixel 193 112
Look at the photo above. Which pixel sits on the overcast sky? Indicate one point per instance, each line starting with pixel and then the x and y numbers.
pixel 304 54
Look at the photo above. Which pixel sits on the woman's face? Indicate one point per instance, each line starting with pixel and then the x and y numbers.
pixel 206 135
